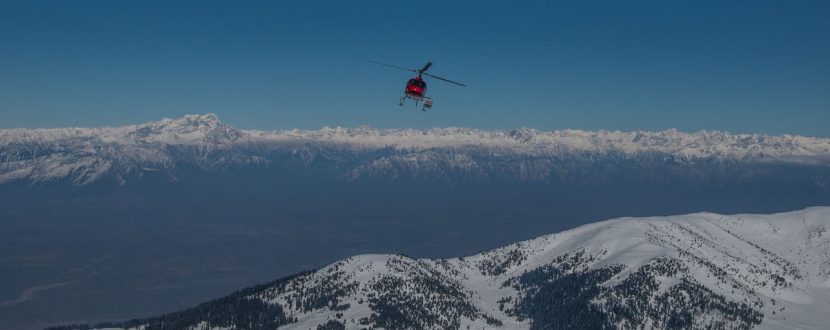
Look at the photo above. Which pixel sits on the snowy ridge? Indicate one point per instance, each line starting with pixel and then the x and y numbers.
pixel 700 270
pixel 700 144
pixel 207 129
pixel 85 155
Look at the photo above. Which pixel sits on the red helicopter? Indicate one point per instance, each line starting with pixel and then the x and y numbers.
pixel 416 88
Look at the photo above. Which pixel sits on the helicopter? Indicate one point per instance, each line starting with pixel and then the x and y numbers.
pixel 416 88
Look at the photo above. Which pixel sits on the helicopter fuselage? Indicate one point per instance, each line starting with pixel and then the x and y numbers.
pixel 416 88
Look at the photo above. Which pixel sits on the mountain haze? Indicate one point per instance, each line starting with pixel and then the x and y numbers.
pixel 700 270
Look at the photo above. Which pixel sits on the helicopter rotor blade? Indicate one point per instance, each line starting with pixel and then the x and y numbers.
pixel 447 80
pixel 425 68
pixel 393 66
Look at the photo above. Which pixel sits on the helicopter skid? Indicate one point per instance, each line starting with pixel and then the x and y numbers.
pixel 427 102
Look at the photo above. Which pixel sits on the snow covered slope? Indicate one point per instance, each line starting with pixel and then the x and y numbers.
pixel 85 155
pixel 700 270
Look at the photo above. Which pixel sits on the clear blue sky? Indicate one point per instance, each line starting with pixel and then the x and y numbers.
pixel 743 66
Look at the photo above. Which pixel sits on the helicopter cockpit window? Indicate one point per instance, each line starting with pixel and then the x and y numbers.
pixel 415 82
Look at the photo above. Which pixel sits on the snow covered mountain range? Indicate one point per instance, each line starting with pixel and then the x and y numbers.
pixel 701 270
pixel 169 147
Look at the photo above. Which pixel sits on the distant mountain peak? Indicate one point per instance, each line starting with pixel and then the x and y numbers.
pixel 187 129
pixel 205 120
